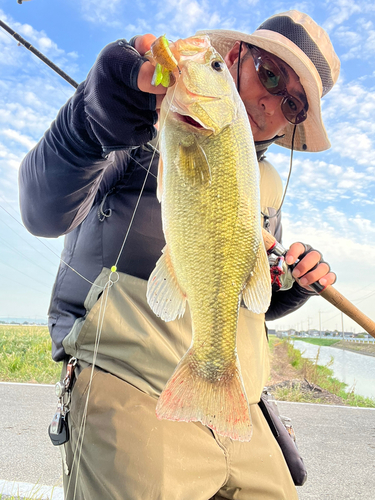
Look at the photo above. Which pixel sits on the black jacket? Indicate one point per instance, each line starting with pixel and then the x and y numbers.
pixel 83 179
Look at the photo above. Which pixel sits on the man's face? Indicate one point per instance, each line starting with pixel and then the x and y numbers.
pixel 264 109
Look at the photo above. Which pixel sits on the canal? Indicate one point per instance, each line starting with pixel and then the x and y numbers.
pixel 356 370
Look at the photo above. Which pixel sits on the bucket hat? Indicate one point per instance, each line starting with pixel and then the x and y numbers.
pixel 296 39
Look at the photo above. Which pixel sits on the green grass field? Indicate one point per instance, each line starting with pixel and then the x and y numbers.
pixel 25 355
pixel 323 342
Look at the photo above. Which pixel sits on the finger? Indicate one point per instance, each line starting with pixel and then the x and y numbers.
pixel 307 263
pixel 294 252
pixel 143 43
pixel 144 80
pixel 320 272
pixel 328 279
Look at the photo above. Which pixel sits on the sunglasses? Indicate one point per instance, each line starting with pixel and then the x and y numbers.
pixel 273 80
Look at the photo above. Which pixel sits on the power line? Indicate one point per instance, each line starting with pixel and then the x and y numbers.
pixel 25 286
pixel 25 274
pixel 28 242
pixel 25 257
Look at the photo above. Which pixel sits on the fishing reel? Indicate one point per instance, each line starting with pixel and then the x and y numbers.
pixel 281 273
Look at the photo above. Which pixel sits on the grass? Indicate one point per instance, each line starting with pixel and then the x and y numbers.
pixel 25 355
pixel 286 358
pixel 323 342
pixel 7 497
pixel 34 495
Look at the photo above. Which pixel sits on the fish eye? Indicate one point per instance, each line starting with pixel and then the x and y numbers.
pixel 217 65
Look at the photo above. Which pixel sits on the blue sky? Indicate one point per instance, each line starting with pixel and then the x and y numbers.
pixel 331 199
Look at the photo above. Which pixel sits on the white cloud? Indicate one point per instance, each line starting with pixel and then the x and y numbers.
pixel 17 137
pixel 101 12
pixel 341 11
pixel 185 17
pixel 348 114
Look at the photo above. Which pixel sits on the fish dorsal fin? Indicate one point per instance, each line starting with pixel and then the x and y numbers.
pixel 257 292
pixel 193 164
pixel 164 294
pixel 159 189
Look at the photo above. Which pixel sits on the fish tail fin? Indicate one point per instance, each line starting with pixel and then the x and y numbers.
pixel 220 404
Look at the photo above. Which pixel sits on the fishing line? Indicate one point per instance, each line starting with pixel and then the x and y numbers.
pixel 140 165
pixel 145 180
pixel 101 315
pixel 77 457
pixel 364 298
pixel 266 217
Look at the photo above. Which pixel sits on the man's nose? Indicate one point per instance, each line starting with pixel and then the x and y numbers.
pixel 270 103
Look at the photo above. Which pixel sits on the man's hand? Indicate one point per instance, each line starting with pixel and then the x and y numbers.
pixel 311 267
pixel 142 44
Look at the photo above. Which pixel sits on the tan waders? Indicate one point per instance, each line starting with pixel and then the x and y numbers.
pixel 126 452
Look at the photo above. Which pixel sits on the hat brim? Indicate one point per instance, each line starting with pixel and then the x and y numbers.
pixel 311 134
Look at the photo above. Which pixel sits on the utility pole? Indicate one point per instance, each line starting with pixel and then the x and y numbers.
pixel 320 325
pixel 342 324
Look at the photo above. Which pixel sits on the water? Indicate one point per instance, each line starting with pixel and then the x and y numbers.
pixel 356 370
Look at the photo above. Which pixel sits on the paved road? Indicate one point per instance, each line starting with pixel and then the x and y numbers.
pixel 26 452
pixel 337 444
pixel 338 448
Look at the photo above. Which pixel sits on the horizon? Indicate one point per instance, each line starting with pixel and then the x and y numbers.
pixel 331 196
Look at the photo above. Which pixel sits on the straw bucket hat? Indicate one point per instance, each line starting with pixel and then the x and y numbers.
pixel 296 39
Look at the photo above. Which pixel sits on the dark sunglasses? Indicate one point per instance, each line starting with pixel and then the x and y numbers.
pixel 272 79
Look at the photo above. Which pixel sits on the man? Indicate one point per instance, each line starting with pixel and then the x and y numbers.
pixel 84 180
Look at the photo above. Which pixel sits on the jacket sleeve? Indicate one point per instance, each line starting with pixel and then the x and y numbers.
pixel 288 301
pixel 59 178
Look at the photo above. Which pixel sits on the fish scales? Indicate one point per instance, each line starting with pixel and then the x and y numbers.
pixel 211 221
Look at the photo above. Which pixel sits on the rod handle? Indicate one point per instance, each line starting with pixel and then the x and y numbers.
pixel 329 293
pixel 343 304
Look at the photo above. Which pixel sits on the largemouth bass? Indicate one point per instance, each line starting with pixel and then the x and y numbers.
pixel 214 257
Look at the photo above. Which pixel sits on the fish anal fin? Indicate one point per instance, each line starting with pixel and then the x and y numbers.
pixel 192 162
pixel 257 292
pixel 220 405
pixel 164 294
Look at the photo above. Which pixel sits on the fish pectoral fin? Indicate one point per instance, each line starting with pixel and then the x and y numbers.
pixel 193 164
pixel 159 188
pixel 219 404
pixel 257 292
pixel 164 294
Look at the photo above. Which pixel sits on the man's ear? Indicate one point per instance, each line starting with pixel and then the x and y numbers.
pixel 232 55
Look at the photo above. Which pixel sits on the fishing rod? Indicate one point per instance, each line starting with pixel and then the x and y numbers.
pixel 329 293
pixel 272 246
pixel 36 52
